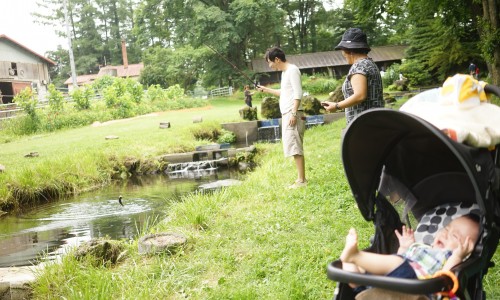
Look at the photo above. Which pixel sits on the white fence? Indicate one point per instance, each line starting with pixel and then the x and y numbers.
pixel 223 91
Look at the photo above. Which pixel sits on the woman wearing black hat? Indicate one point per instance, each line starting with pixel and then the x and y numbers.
pixel 362 87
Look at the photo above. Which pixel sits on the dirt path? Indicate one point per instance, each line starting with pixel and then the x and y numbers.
pixel 155 114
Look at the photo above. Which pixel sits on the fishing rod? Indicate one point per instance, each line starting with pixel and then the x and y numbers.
pixel 231 64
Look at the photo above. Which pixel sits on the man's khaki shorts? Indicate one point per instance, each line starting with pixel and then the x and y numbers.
pixel 293 137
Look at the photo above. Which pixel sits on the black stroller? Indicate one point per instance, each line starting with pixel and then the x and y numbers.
pixel 400 167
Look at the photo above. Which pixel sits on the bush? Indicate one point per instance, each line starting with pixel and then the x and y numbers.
pixel 318 84
pixel 206 131
pixel 174 92
pixel 311 105
pixel 103 82
pixel 417 74
pixel 270 108
pixel 226 136
pixel 154 93
pixel 248 113
pixel 28 102
pixel 56 99
pixel 82 97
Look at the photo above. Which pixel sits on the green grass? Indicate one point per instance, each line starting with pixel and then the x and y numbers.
pixel 89 159
pixel 255 241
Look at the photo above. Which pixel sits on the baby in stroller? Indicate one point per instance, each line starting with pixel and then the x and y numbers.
pixel 451 246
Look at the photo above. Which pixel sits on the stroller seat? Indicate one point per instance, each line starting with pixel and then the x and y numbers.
pixel 435 179
pixel 440 216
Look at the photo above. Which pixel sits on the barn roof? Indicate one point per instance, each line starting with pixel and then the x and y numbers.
pixel 331 58
pixel 132 70
pixel 8 39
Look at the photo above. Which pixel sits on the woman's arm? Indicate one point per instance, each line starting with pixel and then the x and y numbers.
pixel 359 86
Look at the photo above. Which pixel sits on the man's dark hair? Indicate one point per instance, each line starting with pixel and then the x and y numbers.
pixel 273 53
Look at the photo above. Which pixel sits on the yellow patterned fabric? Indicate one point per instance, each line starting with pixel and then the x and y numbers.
pixel 463 90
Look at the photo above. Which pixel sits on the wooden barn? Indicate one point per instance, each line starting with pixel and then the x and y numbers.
pixel 21 67
pixel 330 62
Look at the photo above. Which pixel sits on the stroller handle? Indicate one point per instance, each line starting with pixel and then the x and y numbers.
pixel 492 89
pixel 402 285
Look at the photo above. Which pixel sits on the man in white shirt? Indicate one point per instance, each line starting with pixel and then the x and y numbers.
pixel 293 119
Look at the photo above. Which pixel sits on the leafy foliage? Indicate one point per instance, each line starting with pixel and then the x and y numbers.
pixel 209 131
pixel 82 97
pixel 27 101
pixel 226 136
pixel 56 99
pixel 312 106
pixel 270 108
pixel 248 113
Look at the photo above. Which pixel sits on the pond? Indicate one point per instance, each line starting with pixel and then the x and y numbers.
pixel 47 231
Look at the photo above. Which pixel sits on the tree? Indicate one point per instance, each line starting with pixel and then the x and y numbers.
pixel 166 67
pixel 464 27
pixel 97 28
pixel 489 31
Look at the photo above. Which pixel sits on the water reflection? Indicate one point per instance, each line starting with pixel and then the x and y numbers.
pixel 54 227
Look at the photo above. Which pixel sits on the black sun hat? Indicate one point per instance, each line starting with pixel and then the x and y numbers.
pixel 353 38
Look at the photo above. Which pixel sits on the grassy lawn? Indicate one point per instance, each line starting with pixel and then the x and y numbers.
pixel 77 159
pixel 255 241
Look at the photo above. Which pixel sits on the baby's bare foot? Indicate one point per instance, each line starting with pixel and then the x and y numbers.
pixel 351 246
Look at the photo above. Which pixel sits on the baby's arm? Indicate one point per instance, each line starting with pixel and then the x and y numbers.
pixel 405 239
pixel 459 253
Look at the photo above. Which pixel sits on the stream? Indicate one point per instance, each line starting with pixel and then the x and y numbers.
pixel 47 231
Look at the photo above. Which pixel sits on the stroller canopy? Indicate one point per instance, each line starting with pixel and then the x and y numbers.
pixel 435 169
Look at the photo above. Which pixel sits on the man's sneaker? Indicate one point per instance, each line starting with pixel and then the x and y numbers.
pixel 298 184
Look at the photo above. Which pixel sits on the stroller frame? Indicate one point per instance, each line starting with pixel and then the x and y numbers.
pixel 413 150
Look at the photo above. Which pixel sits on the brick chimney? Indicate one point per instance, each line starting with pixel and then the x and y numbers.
pixel 124 55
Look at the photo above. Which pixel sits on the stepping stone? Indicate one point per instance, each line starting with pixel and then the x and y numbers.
pixel 111 137
pixel 197 119
pixel 161 242
pixel 31 154
pixel 164 125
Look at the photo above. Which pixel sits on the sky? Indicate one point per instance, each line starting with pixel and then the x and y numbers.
pixel 17 23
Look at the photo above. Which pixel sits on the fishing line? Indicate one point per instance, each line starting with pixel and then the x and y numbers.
pixel 230 63
pixel 226 60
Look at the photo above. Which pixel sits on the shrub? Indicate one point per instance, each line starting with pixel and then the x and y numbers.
pixel 248 113
pixel 103 82
pixel 135 89
pixel 270 108
pixel 417 73
pixel 27 101
pixel 206 131
pixel 56 99
pixel 318 85
pixel 82 97
pixel 174 92
pixel 154 93
pixel 226 136
pixel 311 105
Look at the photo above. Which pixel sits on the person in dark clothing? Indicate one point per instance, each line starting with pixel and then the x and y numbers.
pixel 362 87
pixel 248 96
pixel 472 69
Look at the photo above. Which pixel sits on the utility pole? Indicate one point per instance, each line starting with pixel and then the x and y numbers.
pixel 71 58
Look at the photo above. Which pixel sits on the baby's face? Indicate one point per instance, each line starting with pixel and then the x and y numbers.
pixel 455 233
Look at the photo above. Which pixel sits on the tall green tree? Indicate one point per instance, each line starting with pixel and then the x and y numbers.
pixel 236 30
pixel 467 30
pixel 97 28
pixel 167 67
